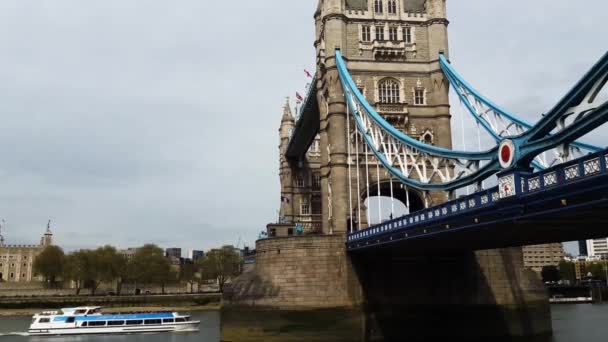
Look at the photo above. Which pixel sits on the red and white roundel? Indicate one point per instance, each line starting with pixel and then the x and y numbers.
pixel 506 153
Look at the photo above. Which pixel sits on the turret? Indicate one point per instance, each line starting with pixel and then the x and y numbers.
pixel 285 173
pixel 436 9
pixel 47 238
pixel 1 236
pixel 438 28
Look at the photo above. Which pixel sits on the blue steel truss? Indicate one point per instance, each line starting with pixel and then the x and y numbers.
pixel 483 209
pixel 498 122
pixel 578 113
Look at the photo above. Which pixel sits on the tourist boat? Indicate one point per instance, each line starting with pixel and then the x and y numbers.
pixel 90 320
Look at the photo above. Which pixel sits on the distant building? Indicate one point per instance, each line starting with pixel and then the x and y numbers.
pixel 582 248
pixel 128 253
pixel 597 247
pixel 16 261
pixel 173 252
pixel 538 256
pixel 194 255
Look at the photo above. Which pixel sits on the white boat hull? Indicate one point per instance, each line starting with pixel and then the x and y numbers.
pixel 135 329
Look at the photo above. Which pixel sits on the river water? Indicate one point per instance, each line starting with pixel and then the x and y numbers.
pixel 581 322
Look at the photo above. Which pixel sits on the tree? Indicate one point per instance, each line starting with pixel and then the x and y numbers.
pixel 49 263
pixel 221 265
pixel 597 270
pixel 104 265
pixel 76 269
pixel 550 274
pixel 150 266
pixel 567 271
pixel 91 268
pixel 187 274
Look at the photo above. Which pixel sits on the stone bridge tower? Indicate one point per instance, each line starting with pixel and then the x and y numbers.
pixel 392 50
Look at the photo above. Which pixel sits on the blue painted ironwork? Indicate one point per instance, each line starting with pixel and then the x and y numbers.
pixel 483 109
pixel 402 155
pixel 392 147
pixel 436 220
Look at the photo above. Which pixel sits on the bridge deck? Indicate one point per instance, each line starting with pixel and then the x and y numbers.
pixel 567 202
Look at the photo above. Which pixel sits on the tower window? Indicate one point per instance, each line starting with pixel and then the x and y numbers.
pixel 378 6
pixel 316 181
pixel 299 181
pixel 379 33
pixel 392 33
pixel 407 35
pixel 366 33
pixel 389 91
pixel 392 6
pixel 419 98
pixel 304 208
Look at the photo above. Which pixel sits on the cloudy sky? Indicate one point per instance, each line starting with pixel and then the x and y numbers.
pixel 128 122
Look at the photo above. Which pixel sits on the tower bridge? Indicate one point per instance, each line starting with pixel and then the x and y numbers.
pixel 376 121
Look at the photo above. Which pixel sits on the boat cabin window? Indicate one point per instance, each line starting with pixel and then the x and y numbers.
pixel 168 320
pixel 116 322
pixel 152 321
pixel 93 311
pixel 97 323
pixel 137 322
pixel 80 312
pixel 84 324
pixel 44 320
pixel 70 320
pixel 180 319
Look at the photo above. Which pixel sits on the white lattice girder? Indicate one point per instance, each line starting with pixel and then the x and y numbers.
pixel 503 127
pixel 411 162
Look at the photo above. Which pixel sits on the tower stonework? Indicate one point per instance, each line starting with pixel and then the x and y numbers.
pixel 391 48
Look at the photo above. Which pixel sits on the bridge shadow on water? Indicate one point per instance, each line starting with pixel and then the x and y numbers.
pixel 469 296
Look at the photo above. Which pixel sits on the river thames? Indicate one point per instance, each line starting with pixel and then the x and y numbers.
pixel 582 322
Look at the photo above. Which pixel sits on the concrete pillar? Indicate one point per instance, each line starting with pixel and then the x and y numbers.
pixel 472 295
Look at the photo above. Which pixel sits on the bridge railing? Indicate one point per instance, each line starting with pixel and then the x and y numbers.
pixel 524 184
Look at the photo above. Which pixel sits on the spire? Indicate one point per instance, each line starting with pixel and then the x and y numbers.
pixel 2 223
pixel 47 238
pixel 287 116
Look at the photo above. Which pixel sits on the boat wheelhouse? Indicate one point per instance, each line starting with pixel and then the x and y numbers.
pixel 90 320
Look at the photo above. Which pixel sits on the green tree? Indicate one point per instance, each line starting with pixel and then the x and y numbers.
pixel 150 266
pixel 550 273
pixel 49 263
pixel 597 270
pixel 567 271
pixel 104 266
pixel 91 268
pixel 221 265
pixel 188 273
pixel 76 269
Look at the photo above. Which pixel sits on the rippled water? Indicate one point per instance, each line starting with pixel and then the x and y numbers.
pixel 13 328
pixel 582 322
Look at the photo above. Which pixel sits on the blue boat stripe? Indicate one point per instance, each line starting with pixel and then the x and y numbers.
pixel 116 317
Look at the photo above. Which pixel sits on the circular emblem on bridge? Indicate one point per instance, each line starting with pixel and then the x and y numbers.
pixel 506 153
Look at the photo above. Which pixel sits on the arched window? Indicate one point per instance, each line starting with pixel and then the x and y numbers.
pixel 392 6
pixel 378 6
pixel 389 91
pixel 419 94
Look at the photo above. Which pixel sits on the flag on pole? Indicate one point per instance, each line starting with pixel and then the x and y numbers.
pixel 299 97
pixel 308 74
